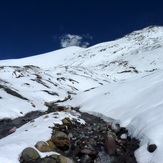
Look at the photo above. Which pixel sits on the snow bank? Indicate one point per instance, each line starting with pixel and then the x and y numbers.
pixel 137 103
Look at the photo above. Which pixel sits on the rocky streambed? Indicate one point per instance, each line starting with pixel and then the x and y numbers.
pixel 96 141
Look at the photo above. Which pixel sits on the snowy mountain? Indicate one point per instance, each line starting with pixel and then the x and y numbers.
pixel 121 79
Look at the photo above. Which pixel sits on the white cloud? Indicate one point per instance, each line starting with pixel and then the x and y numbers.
pixel 73 40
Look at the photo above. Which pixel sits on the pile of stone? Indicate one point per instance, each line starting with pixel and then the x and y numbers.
pixel 96 141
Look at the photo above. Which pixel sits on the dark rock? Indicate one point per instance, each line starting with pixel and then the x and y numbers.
pixel 29 154
pixel 86 159
pixel 152 148
pixel 76 151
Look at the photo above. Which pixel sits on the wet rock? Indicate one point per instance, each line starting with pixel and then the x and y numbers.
pixel 120 142
pixel 47 160
pixel 152 148
pixel 93 142
pixel 43 146
pixel 124 159
pixel 29 154
pixel 60 139
pixel 63 159
pixel 89 152
pixel 75 151
pixel 118 150
pixel 110 145
pixel 86 159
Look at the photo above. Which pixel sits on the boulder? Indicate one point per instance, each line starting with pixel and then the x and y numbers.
pixel 61 140
pixel 110 145
pixel 48 160
pixel 29 154
pixel 63 159
pixel 43 146
pixel 152 148
pixel 51 144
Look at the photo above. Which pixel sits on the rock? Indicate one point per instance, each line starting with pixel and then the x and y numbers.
pixel 48 160
pixel 51 144
pixel 54 156
pixel 76 151
pixel 110 143
pixel 60 139
pixel 86 159
pixel 120 142
pixel 29 154
pixel 63 159
pixel 66 121
pixel 113 134
pixel 12 130
pixel 152 148
pixel 89 152
pixel 48 104
pixel 55 113
pixel 118 150
pixel 70 135
pixel 93 142
pixel 43 146
pixel 60 108
pixel 46 116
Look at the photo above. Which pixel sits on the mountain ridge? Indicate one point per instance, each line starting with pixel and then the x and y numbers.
pixel 120 79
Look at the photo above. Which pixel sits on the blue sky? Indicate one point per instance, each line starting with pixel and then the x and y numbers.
pixel 31 27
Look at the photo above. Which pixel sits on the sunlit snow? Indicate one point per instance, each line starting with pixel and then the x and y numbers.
pixel 122 79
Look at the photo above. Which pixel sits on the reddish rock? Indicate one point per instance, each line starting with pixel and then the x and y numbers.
pixel 110 143
pixel 12 130
pixel 89 152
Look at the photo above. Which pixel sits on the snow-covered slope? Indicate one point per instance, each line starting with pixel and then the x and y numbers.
pixel 121 79
pixel 137 103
